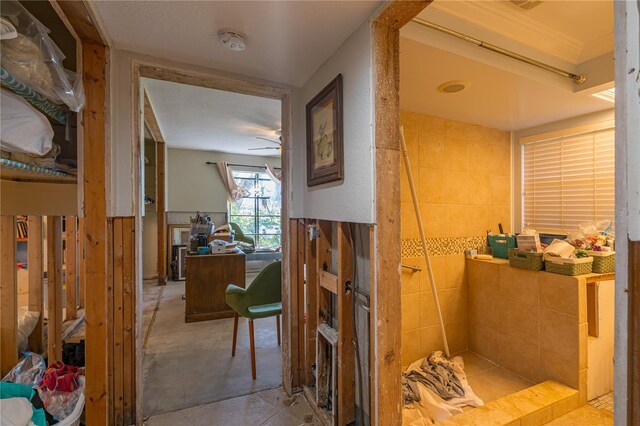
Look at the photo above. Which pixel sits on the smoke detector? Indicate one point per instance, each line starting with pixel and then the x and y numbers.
pixel 453 86
pixel 232 40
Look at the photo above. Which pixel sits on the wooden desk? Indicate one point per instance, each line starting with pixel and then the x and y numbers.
pixel 207 279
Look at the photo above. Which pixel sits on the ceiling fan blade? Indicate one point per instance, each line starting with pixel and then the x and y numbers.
pixel 268 140
pixel 266 147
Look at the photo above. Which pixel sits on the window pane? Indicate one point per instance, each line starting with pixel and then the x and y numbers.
pixel 270 225
pixel 246 223
pixel 269 241
pixel 243 206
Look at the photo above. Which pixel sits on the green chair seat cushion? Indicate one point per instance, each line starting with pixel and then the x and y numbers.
pixel 263 311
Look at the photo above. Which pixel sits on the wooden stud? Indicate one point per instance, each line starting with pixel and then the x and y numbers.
pixel 294 313
pixel 81 257
pixel 71 268
pixel 633 384
pixel 118 276
pixel 35 264
pixel 323 311
pixel 95 234
pixel 346 350
pixel 128 319
pixel 311 305
pixel 54 288
pixel 329 281
pixel 8 295
pixel 299 303
pixel 79 17
pixel 161 213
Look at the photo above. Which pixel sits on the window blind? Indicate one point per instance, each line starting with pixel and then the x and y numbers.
pixel 568 180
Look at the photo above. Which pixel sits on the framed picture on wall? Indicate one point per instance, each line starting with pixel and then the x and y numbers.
pixel 325 156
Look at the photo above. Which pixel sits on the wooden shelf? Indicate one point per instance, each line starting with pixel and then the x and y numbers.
pixel 15 170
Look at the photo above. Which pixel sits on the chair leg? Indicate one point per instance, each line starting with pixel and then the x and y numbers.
pixel 253 350
pixel 278 328
pixel 235 333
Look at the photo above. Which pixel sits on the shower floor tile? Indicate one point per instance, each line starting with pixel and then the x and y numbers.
pixel 490 382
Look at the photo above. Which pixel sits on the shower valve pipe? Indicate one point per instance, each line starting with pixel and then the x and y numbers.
pixel 432 280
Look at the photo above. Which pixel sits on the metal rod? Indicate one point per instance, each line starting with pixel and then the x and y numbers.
pixel 578 79
pixel 423 240
pixel 244 165
pixel 413 268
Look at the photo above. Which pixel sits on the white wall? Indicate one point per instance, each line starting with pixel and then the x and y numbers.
pixel 583 120
pixel 195 186
pixel 352 199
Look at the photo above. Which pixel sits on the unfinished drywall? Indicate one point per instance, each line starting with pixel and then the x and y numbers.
pixel 461 175
pixel 350 200
pixel 194 185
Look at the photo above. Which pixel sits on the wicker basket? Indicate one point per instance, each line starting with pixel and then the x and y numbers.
pixel 604 262
pixel 526 260
pixel 559 265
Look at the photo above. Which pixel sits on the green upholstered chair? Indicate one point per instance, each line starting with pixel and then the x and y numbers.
pixel 262 299
pixel 239 235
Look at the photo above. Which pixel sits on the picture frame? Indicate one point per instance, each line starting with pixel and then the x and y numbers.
pixel 325 151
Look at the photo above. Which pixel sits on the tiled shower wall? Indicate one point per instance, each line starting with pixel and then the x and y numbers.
pixel 462 176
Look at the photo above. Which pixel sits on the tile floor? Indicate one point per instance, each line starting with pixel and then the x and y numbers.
pixel 488 381
pixel 605 402
pixel 271 407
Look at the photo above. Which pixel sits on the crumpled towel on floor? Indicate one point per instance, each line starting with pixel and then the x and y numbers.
pixel 432 407
pixel 436 374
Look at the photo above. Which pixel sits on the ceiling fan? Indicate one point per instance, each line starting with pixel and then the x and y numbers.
pixel 277 142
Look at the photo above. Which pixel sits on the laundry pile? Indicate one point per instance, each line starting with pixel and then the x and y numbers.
pixel 435 388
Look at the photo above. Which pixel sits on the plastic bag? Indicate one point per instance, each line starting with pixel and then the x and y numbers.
pixel 593 235
pixel 61 404
pixel 28 371
pixel 34 59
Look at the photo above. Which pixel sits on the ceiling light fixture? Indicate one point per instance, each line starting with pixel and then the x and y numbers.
pixel 453 86
pixel 232 40
pixel 608 95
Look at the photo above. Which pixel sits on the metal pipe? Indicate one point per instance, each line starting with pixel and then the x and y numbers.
pixel 244 165
pixel 413 268
pixel 579 79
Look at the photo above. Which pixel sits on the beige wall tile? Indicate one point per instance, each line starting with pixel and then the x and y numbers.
pixel 559 292
pixel 561 408
pixel 439 268
pixel 501 214
pixel 519 320
pixel 484 341
pixel 499 137
pixel 555 367
pixel 455 305
pixel 410 312
pixel 500 191
pixel 479 188
pixel 431 125
pixel 483 276
pixel 456 270
pixel 479 156
pixel 559 333
pixel 410 346
pixel 405 191
pixel 428 312
pixel 456 154
pixel 456 220
pixel 409 120
pixel 583 346
pixel 500 160
pixel 582 385
pixel 478 220
pixel 483 308
pixel 518 356
pixel 432 186
pixel 538 418
pixel 409 224
pixel 456 336
pixel 460 130
pixel 431 151
pixel 413 148
pixel 430 340
pixel 520 285
pixel 433 219
pixel 456 187
pixel 410 279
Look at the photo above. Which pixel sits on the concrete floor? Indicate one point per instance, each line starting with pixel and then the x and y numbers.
pixel 188 365
pixel 271 407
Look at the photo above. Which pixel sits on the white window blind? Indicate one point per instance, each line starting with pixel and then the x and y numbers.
pixel 568 180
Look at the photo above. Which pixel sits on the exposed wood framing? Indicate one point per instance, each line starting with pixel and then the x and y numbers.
pixel 71 262
pixel 161 213
pixel 328 281
pixel 8 295
pixel 35 262
pixel 78 17
pixel 54 288
pixel 298 333
pixel 95 233
pixel 151 121
pixel 386 365
pixel 633 402
pixel 81 260
pixel 311 250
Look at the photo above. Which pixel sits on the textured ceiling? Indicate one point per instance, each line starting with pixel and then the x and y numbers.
pixel 286 40
pixel 193 117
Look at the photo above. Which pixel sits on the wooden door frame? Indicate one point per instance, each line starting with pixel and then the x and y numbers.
pixel 247 87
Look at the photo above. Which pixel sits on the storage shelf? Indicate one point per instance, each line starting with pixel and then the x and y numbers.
pixel 15 170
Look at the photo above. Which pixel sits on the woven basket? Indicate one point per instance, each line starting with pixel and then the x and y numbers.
pixel 603 262
pixel 526 260
pixel 562 266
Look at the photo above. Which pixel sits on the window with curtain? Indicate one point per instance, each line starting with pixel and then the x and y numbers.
pixel 568 179
pixel 257 213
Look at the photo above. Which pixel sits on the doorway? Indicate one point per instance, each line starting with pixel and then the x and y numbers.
pixel 185 361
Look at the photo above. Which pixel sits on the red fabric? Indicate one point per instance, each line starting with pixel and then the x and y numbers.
pixel 60 377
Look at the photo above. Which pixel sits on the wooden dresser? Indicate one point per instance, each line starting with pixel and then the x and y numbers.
pixel 207 279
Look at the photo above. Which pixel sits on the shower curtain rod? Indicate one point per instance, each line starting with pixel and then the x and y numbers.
pixel 578 79
pixel 244 165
